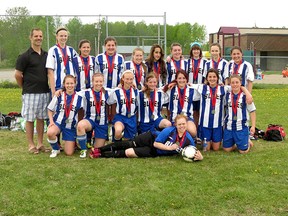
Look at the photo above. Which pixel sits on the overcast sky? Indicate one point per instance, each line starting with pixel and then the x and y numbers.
pixel 212 14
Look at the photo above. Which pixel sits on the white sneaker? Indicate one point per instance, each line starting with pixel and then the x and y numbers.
pixel 83 153
pixel 54 153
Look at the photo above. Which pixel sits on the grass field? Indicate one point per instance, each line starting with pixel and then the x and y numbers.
pixel 221 184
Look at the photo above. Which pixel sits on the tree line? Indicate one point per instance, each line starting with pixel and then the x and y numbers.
pixel 16 24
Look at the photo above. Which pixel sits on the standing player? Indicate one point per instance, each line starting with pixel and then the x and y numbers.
pixel 126 107
pixel 84 66
pixel 155 62
pixel 59 60
pixel 62 112
pixel 236 132
pixel 195 69
pixel 176 63
pixel 110 63
pixel 150 102
pixel 241 67
pixel 218 63
pixel 31 75
pixel 138 67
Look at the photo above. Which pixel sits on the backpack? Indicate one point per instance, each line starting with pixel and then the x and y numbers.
pixel 274 133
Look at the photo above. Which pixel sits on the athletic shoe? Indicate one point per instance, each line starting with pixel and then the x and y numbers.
pixel 88 144
pixel 83 153
pixel 54 153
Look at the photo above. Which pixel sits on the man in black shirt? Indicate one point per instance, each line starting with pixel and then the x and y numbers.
pixel 31 75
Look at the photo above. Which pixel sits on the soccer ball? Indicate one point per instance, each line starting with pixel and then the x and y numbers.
pixel 188 153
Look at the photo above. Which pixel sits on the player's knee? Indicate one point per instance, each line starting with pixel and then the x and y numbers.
pixel 130 153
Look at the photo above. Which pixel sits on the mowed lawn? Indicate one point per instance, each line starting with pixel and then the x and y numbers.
pixel 221 184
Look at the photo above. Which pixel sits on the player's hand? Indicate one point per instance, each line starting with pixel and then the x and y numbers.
pixel 198 156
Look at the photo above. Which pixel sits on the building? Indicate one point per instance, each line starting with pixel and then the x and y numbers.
pixel 266 48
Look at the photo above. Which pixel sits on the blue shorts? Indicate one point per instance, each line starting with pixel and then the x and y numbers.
pixel 214 134
pixel 240 138
pixel 100 131
pixel 67 134
pixel 151 126
pixel 130 125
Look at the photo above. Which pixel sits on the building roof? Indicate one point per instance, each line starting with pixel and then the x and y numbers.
pixel 225 30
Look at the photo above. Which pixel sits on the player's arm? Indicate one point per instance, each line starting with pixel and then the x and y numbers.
pixel 253 122
pixel 51 80
pixel 249 98
pixel 19 78
pixel 161 146
pixel 249 86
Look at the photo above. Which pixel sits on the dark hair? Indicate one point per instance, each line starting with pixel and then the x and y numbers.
pixel 183 72
pixel 34 29
pixel 110 38
pixel 150 62
pixel 212 70
pixel 195 47
pixel 81 42
pixel 218 45
pixel 66 77
pixel 236 48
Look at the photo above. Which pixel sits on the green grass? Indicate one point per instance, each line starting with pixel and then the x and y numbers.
pixel 221 184
pixel 272 72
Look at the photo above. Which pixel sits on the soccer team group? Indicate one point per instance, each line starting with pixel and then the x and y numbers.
pixel 203 100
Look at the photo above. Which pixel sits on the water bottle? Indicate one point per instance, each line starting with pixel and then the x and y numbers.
pixel 205 145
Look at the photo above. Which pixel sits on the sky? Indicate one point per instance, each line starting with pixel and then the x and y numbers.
pixel 210 13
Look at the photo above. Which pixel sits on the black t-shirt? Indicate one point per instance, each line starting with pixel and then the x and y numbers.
pixel 33 66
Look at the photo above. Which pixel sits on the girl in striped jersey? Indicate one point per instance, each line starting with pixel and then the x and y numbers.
pixel 212 110
pixel 126 107
pixel 150 102
pixel 63 117
pixel 110 63
pixel 176 63
pixel 95 113
pixel 59 60
pixel 241 67
pixel 84 65
pixel 236 131
pixel 195 69
pixel 180 100
pixel 155 62
pixel 137 66
pixel 218 63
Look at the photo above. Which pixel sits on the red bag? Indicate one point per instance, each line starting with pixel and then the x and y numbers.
pixel 274 133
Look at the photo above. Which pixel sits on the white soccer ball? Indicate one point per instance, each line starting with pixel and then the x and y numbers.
pixel 188 153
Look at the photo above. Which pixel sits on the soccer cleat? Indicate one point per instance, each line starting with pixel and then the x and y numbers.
pixel 83 153
pixel 54 153
pixel 88 144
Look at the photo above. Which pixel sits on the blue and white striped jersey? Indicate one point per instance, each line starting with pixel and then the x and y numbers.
pixel 245 70
pixel 126 103
pixel 56 61
pixel 221 66
pixel 194 65
pixel 58 106
pixel 173 67
pixel 175 95
pixel 138 71
pixel 83 66
pixel 212 117
pixel 145 114
pixel 240 119
pixel 116 62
